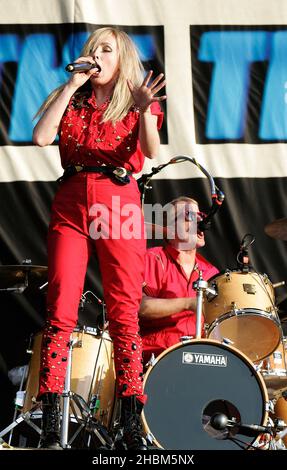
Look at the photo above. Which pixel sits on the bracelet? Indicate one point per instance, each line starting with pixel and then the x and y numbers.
pixel 142 110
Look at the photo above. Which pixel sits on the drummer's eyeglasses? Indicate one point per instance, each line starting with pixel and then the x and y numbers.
pixel 192 216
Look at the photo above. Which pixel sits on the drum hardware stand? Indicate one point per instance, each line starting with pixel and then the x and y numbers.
pixel 151 361
pixel 86 421
pixel 201 286
pixel 279 431
pixel 69 399
pixel 19 288
pixel 43 286
pixel 282 428
pixel 66 398
pixel 19 402
pixel 185 339
pixel 22 417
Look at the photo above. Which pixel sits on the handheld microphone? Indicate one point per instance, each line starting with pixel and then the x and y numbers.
pixel 82 67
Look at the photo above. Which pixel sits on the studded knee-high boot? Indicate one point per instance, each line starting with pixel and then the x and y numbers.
pixel 50 438
pixel 131 410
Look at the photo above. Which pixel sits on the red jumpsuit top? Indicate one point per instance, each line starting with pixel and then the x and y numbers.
pixel 166 279
pixel 84 139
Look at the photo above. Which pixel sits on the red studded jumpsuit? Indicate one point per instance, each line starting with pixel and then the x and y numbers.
pixel 85 140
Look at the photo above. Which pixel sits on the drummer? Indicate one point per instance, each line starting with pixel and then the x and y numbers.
pixel 167 311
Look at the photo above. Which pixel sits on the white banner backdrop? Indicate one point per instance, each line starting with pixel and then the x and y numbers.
pixel 226 159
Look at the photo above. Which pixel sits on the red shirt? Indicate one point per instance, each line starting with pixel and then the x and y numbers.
pixel 85 140
pixel 166 279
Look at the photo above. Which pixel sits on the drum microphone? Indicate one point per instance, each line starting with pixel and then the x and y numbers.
pixel 82 67
pixel 220 422
pixel 205 223
pixel 246 241
pixel 243 255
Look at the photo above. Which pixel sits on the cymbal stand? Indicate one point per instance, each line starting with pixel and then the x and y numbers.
pixel 22 417
pixel 201 286
pixel 17 288
pixel 19 401
pixel 19 417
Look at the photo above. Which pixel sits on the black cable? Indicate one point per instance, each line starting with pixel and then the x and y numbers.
pixel 246 445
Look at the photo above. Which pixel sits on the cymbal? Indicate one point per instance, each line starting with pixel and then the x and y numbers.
pixel 277 229
pixel 20 274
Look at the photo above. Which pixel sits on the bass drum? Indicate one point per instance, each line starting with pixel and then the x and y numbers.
pixel 189 383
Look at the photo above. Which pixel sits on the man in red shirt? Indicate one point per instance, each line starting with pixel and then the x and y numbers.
pixel 168 307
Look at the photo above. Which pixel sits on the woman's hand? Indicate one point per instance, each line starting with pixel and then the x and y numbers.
pixel 78 79
pixel 144 95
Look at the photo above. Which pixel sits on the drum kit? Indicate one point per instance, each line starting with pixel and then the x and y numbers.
pixel 227 391
pixel 239 372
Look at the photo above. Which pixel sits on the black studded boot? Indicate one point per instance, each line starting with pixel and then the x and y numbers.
pixel 50 438
pixel 131 409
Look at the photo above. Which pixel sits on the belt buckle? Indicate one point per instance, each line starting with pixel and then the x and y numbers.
pixel 120 171
pixel 121 174
pixel 78 168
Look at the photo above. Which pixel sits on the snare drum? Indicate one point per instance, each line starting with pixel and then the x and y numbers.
pixel 92 375
pixel 274 370
pixel 189 383
pixel 243 313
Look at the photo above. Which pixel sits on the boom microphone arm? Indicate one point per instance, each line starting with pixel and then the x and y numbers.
pixel 217 195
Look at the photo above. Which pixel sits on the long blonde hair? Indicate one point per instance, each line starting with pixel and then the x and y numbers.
pixel 130 67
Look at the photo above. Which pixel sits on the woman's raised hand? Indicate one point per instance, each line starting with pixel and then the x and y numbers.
pixel 144 95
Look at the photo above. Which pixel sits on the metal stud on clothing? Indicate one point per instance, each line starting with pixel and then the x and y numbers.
pixel 122 268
